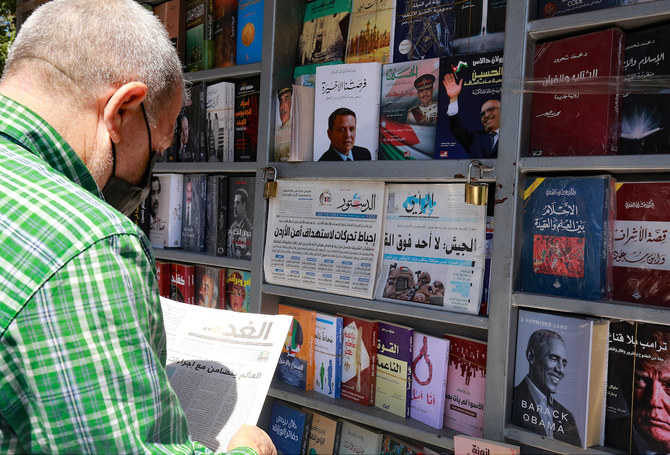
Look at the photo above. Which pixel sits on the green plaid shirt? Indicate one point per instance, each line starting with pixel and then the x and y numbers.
pixel 82 343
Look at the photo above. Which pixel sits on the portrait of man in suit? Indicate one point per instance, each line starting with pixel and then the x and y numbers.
pixel 478 143
pixel 342 135
pixel 184 146
pixel 534 405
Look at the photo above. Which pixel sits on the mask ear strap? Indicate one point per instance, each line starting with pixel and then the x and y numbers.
pixel 146 122
pixel 113 158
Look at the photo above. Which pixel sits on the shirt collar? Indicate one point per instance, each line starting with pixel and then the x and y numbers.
pixel 343 156
pixel 31 132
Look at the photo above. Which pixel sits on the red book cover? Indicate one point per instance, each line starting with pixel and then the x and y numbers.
pixel 576 103
pixel 641 250
pixel 359 359
pixel 163 278
pixel 182 283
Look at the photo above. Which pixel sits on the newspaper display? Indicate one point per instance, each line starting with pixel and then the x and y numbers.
pixel 325 235
pixel 434 247
pixel 221 364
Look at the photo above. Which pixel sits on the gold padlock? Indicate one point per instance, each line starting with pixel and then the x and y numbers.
pixel 270 188
pixel 476 193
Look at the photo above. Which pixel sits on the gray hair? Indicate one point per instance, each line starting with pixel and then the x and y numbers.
pixel 83 47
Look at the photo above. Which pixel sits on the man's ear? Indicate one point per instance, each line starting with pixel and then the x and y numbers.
pixel 530 355
pixel 123 102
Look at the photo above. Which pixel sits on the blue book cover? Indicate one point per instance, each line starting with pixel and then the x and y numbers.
pixel 551 8
pixel 469 106
pixel 249 31
pixel 566 236
pixel 328 355
pixel 394 368
pixel 423 29
pixel 289 428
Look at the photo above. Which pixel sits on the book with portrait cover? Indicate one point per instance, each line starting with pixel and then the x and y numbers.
pixel 328 355
pixel 429 379
pixel 289 428
pixel 324 32
pixel 408 110
pixel 163 278
pixel 469 106
pixel 220 121
pixel 638 362
pixel 224 20
pixel 641 247
pixel 354 86
pixel 194 213
pixel 394 368
pixel 199 35
pixel 237 290
pixel 371 31
pixel 165 211
pixel 359 359
pixel 551 8
pixel 208 286
pixel 466 385
pixel 217 215
pixel 645 123
pixel 249 31
pixel 324 434
pixel 240 216
pixel 423 29
pixel 480 26
pixel 247 97
pixel 182 282
pixel 296 362
pixel 356 439
pixel 576 104
pixel 561 364
pixel 468 445
pixel 566 244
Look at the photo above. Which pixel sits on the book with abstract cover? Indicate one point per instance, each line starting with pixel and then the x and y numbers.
pixel 638 364
pixel 224 21
pixel 194 213
pixel 165 211
pixel 296 362
pixel 466 386
pixel 324 32
pixel 356 439
pixel 359 359
pixel 217 215
pixel 249 31
pixel 237 290
pixel 241 191
pixel 199 35
pixel 576 104
pixel 469 106
pixel 289 428
pixel 423 29
pixel 561 364
pixel 371 31
pixel 566 240
pixel 429 379
pixel 408 110
pixel 480 26
pixel 394 368
pixel 645 122
pixel 247 98
pixel 328 355
pixel 220 120
pixel 208 286
pixel 468 445
pixel 434 248
pixel 394 445
pixel 324 434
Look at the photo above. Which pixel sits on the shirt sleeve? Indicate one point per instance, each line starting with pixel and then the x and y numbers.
pixel 82 365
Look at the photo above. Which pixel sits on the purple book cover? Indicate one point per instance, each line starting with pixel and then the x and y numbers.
pixel 429 379
pixel 394 368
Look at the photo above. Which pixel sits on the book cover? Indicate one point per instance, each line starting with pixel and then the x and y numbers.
pixel 434 248
pixel 393 390
pixel 346 111
pixel 576 104
pixel 302 132
pixel 645 122
pixel 394 445
pixel 324 434
pixel 284 123
pixel 328 355
pixel 238 290
pixel 173 16
pixel 182 282
pixel 429 379
pixel 225 32
pixel 371 31
pixel 163 275
pixel 324 32
pixel 560 365
pixel 217 215
pixel 240 216
pixel 199 35
pixel 296 363
pixel 247 97
pixel 356 439
pixel 289 428
pixel 140 215
pixel 638 370
pixel 249 31
pixel 469 104
pixel 566 236
pixel 359 359
pixel 165 210
pixel 408 110
pixel 194 213
pixel 189 143
pixel 207 285
pixel 423 29
pixel 479 26
pixel 220 121
pixel 466 386
pixel 468 445
pixel 551 8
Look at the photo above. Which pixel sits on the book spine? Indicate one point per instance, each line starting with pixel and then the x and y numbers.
pixel 309 378
pixel 408 398
pixel 337 380
pixel 373 362
pixel 616 72
pixel 305 434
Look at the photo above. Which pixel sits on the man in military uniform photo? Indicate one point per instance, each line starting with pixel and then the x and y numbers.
pixel 425 113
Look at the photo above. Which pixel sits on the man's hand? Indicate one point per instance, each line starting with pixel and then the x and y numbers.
pixel 253 437
pixel 453 89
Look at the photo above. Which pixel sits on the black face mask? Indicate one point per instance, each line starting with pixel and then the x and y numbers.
pixel 124 196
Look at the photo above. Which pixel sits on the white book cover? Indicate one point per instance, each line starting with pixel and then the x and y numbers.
pixel 328 355
pixel 429 379
pixel 166 210
pixel 220 121
pixel 356 88
pixel 358 440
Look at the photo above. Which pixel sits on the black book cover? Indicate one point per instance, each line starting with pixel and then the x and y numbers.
pixel 217 215
pixel 194 212
pixel 247 97
pixel 240 216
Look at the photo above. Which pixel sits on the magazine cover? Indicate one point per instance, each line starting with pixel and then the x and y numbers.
pixel 423 29
pixel 371 31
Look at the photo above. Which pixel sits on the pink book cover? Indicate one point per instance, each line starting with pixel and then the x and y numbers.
pixel 576 105
pixel 359 359
pixel 429 379
pixel 466 386
pixel 467 445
